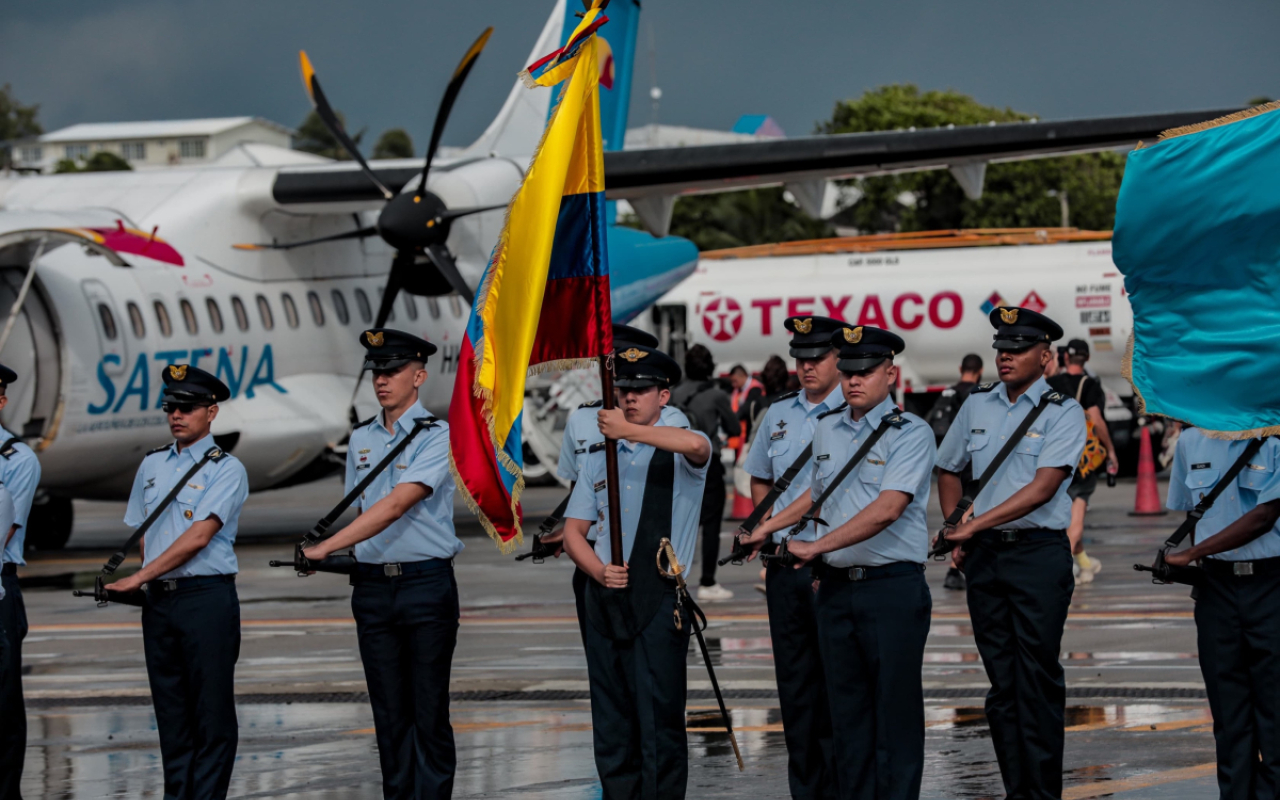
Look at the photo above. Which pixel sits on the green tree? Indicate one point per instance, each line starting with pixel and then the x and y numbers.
pixel 735 219
pixel 394 143
pixel 1016 194
pixel 101 161
pixel 314 137
pixel 1260 101
pixel 17 121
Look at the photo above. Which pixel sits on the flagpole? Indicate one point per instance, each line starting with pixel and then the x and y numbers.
pixel 611 466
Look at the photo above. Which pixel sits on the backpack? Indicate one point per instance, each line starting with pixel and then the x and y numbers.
pixel 1094 454
pixel 696 423
pixel 944 412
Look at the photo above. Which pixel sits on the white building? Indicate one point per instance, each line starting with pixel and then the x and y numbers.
pixel 147 145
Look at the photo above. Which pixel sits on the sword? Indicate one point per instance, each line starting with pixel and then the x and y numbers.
pixel 698 623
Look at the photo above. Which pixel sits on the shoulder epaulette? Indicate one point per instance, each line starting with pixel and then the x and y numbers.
pixel 1057 398
pixel 596 448
pixel 896 419
pixel 836 410
pixel 159 449
pixel 592 404
pixel 217 454
pixel 9 448
pixel 788 395
pixel 428 422
pixel 366 422
pixel 984 387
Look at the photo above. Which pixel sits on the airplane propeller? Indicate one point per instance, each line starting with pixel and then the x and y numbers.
pixel 415 223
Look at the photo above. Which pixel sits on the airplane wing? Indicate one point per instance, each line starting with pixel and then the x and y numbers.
pixel 651 179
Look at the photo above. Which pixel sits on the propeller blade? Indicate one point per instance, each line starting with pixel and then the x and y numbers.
pixel 331 121
pixel 395 280
pixel 446 102
pixel 443 260
pixel 359 233
pixel 455 213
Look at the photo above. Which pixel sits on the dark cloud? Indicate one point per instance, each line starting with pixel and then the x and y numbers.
pixel 385 63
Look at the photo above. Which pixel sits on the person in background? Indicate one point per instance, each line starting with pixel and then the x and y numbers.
pixel 1072 381
pixel 710 411
pixel 745 387
pixel 940 418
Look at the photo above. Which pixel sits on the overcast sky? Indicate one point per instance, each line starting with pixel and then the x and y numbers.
pixel 385 63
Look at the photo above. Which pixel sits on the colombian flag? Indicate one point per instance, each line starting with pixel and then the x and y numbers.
pixel 544 301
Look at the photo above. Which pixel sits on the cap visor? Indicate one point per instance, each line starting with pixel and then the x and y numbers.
pixel 385 363
pixel 1009 344
pixel 859 364
pixel 639 383
pixel 810 351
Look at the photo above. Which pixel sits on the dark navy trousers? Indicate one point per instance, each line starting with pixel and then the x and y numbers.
pixel 1018 597
pixel 873 634
pixel 1239 643
pixel 407 627
pixel 802 687
pixel 191 638
pixel 13 713
pixel 638 709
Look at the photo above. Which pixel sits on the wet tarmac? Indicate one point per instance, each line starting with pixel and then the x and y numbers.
pixel 1138 725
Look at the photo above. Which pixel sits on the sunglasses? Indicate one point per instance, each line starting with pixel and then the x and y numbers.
pixel 183 408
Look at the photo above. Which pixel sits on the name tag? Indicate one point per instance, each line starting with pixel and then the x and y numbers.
pixel 579 451
pixel 1203 465
pixel 822 457
pixel 362 466
pixel 978 431
pixel 599 487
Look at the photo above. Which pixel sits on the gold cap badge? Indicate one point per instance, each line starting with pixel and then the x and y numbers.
pixel 804 325
pixel 1009 315
pixel 177 371
pixel 633 355
pixel 374 339
pixel 853 335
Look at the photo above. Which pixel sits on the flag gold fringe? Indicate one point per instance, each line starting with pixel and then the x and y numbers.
pixel 1243 114
pixel 508 547
pixel 1126 369
pixel 563 365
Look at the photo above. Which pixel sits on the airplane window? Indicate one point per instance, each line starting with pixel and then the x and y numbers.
pixel 242 316
pixel 135 320
pixel 433 305
pixel 290 310
pixel 189 317
pixel 264 311
pixel 317 310
pixel 362 303
pixel 455 305
pixel 410 307
pixel 340 307
pixel 162 316
pixel 108 321
pixel 215 314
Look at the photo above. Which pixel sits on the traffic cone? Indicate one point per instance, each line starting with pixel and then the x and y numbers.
pixel 1146 502
pixel 742 506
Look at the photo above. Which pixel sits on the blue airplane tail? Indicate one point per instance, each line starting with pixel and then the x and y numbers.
pixel 617 59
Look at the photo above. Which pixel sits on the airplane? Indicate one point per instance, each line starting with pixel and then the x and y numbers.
pixel 112 276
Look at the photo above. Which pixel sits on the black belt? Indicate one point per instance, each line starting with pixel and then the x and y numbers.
pixel 1018 535
pixel 1240 569
pixel 170 585
pixel 389 571
pixel 9 569
pixel 826 572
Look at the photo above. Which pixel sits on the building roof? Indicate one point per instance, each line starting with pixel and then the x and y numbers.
pixel 921 240
pixel 155 129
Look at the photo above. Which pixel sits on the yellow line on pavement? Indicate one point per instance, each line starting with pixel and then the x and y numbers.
pixel 1103 788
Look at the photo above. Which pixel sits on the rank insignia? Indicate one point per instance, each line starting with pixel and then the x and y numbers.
pixel 364 451
pixel 853 335
pixel 1009 316
pixel 195 486
pixel 633 354
pixel 1034 435
pixel 150 482
pixel 177 371
pixel 374 339
pixel 875 462
pixel 804 325
pixel 782 423
pixel 599 487
pixel 777 435
pixel 188 514
pixel 402 466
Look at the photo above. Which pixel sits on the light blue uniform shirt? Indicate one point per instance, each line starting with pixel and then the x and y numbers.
pixel 20 473
pixel 590 499
pixel 218 489
pixel 901 461
pixel 582 430
pixel 1055 440
pixel 784 432
pixel 1198 464
pixel 426 530
pixel 7 515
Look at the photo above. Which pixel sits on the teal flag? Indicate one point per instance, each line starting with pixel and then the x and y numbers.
pixel 1198 239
